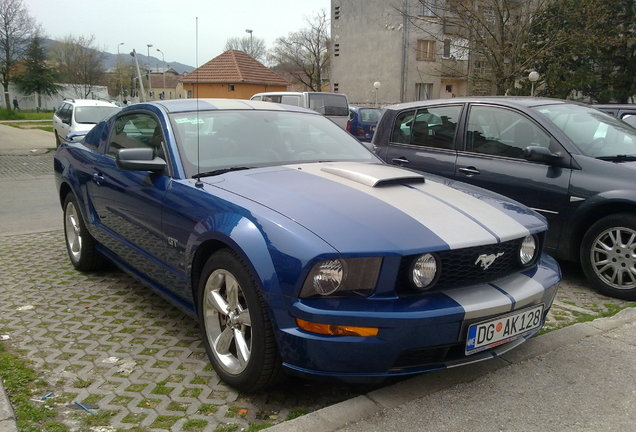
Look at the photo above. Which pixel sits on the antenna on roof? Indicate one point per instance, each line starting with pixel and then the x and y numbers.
pixel 198 183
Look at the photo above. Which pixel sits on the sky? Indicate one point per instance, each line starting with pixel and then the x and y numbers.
pixel 170 25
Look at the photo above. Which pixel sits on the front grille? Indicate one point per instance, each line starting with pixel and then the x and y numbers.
pixel 460 267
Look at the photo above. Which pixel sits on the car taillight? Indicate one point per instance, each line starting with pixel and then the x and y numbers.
pixel 359 131
pixel 348 129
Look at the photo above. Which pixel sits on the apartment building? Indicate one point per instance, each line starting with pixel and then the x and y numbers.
pixel 391 51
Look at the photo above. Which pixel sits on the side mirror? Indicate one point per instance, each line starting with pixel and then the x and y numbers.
pixel 139 159
pixel 71 137
pixel 541 154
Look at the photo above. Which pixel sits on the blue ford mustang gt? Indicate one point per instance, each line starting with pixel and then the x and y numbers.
pixel 297 249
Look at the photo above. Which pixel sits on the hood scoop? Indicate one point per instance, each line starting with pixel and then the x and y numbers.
pixel 373 175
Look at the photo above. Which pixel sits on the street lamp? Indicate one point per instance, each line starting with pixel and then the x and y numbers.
pixel 533 77
pixel 251 45
pixel 163 60
pixel 119 72
pixel 376 86
pixel 149 83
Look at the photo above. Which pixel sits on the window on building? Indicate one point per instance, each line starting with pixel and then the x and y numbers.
pixel 447 48
pixel 425 50
pixel 231 87
pixel 336 12
pixel 427 8
pixel 335 87
pixel 423 91
pixel 336 50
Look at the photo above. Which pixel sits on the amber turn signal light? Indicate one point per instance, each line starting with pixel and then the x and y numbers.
pixel 336 330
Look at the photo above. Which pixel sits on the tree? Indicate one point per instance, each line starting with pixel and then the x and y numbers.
pixel 38 77
pixel 16 28
pixel 79 63
pixel 254 47
pixel 119 80
pixel 601 63
pixel 495 33
pixel 304 54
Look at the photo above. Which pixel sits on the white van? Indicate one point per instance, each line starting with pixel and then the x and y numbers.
pixel 332 105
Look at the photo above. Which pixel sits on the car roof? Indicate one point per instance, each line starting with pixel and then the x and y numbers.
pixel 90 102
pixel 513 101
pixel 187 105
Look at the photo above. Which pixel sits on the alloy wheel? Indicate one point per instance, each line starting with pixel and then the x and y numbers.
pixel 613 257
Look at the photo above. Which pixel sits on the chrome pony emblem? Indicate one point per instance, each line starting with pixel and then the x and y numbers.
pixel 486 260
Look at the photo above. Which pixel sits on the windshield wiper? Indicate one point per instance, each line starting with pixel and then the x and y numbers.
pixel 220 171
pixel 618 158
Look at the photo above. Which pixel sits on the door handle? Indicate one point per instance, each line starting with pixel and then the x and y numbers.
pixel 469 171
pixel 98 178
pixel 400 161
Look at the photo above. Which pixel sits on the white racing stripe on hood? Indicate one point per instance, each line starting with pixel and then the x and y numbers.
pixel 505 227
pixel 452 225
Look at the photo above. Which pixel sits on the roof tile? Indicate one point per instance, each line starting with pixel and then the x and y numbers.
pixel 234 67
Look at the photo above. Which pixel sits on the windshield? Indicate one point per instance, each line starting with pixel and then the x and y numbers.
pixel 93 114
pixel 370 115
pixel 242 138
pixel 595 133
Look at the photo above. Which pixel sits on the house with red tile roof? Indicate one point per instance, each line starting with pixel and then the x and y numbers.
pixel 233 75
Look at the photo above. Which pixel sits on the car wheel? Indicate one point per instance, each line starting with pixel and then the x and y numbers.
pixel 236 329
pixel 58 141
pixel 79 243
pixel 608 255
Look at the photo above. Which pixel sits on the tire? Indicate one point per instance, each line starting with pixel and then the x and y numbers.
pixel 235 326
pixel 608 255
pixel 80 245
pixel 57 140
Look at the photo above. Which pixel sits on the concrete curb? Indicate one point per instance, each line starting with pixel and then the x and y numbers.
pixel 7 417
pixel 338 416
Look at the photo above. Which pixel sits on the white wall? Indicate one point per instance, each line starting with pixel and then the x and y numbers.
pixel 30 102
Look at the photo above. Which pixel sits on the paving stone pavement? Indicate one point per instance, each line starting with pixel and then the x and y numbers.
pixel 108 342
pixel 21 166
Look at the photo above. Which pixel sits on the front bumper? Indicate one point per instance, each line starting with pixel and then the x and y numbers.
pixel 417 333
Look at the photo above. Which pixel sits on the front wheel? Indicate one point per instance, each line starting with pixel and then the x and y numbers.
pixel 608 255
pixel 235 326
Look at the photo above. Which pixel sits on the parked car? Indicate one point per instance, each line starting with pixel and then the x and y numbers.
pixel 78 116
pixel 625 112
pixel 568 161
pixel 362 121
pixel 332 105
pixel 296 248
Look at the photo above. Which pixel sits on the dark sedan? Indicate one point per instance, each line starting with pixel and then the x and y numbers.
pixel 572 163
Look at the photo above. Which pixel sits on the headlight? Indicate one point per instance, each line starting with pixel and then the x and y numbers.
pixel 342 277
pixel 425 270
pixel 329 276
pixel 528 250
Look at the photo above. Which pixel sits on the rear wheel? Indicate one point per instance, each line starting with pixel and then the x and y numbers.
pixel 58 141
pixel 80 245
pixel 608 255
pixel 236 329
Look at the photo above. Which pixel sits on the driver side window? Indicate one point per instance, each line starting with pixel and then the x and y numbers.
pixel 502 132
pixel 136 131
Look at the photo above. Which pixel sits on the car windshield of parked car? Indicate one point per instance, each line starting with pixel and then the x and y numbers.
pixel 93 114
pixel 596 134
pixel 210 141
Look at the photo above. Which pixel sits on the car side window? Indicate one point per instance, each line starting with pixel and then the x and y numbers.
pixel 402 128
pixel 435 127
pixel 136 131
pixel 502 132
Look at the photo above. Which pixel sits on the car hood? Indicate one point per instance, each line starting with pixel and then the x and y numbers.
pixel 374 208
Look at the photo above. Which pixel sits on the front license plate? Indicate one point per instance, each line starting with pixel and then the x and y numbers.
pixel 500 330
